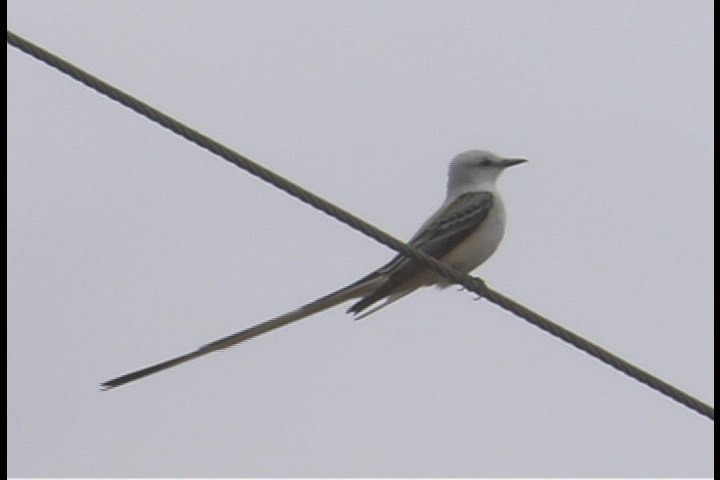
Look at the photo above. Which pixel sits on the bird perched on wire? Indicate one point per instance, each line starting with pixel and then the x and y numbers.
pixel 463 233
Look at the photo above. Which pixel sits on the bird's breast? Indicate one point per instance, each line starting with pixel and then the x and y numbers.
pixel 481 243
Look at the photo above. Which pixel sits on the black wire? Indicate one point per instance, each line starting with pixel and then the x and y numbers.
pixel 473 284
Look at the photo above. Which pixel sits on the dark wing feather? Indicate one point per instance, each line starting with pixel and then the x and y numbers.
pixel 442 235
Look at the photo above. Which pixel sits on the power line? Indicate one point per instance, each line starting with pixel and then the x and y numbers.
pixel 471 283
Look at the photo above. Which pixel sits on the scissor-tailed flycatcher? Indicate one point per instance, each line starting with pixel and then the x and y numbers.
pixel 464 232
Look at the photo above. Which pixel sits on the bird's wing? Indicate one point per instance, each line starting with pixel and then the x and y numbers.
pixel 439 237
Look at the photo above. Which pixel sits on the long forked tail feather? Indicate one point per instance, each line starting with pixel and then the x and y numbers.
pixel 359 314
pixel 330 300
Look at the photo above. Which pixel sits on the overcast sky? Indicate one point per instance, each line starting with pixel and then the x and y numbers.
pixel 128 245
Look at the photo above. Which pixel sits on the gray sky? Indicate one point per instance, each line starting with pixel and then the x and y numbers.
pixel 127 245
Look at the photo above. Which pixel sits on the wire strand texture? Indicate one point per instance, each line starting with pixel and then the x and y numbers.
pixel 471 283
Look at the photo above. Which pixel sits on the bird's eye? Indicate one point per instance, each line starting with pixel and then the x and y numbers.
pixel 485 162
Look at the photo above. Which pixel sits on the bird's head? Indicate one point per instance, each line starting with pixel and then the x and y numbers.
pixel 477 168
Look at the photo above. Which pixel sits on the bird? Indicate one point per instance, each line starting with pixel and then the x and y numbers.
pixel 464 232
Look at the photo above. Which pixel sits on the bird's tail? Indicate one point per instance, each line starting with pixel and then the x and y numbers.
pixel 330 300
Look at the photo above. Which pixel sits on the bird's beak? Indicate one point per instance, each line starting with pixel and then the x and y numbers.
pixel 509 162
